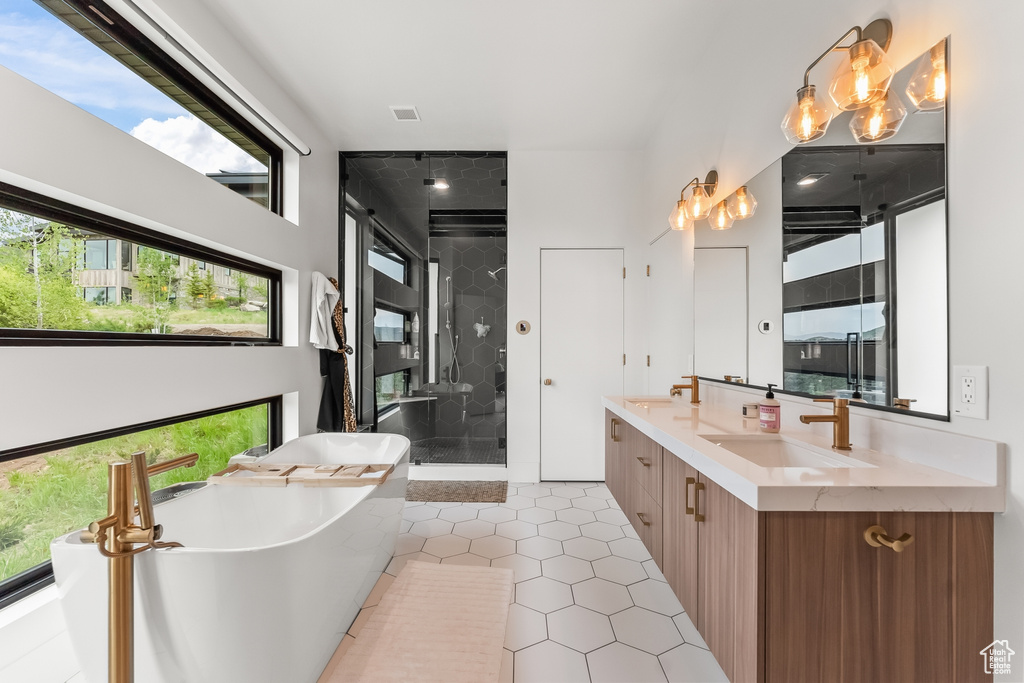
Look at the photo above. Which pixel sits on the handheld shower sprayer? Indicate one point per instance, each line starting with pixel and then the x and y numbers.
pixel 494 273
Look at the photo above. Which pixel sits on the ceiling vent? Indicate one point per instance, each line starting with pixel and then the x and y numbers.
pixel 405 113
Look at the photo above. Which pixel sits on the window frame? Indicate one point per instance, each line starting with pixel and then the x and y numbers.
pixel 22 585
pixel 103 18
pixel 28 202
pixel 406 322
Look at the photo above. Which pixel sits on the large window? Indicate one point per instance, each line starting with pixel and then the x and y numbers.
pixel 63 277
pixel 87 53
pixel 49 490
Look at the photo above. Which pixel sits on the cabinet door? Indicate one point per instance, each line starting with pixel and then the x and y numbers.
pixel 822 605
pixel 730 605
pixel 679 552
pixel 646 517
pixel 612 447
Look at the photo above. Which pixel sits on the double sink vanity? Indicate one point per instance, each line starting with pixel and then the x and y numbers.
pixel 797 561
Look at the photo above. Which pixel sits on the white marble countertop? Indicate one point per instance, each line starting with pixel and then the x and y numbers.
pixel 893 484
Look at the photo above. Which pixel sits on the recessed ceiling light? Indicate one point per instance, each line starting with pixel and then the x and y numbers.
pixel 441 184
pixel 811 178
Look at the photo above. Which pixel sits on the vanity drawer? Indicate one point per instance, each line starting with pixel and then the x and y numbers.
pixel 646 517
pixel 646 461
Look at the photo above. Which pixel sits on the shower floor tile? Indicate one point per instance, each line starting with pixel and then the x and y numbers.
pixel 448 450
pixel 594 608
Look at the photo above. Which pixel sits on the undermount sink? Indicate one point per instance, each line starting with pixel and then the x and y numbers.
pixel 647 402
pixel 775 450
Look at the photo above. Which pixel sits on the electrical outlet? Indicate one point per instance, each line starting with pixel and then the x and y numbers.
pixel 970 396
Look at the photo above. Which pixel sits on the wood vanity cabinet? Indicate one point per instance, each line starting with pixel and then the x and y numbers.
pixel 802 596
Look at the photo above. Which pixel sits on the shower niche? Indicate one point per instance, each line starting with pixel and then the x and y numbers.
pixel 424 264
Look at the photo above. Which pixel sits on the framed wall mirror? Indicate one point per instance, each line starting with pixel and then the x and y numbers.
pixel 855 235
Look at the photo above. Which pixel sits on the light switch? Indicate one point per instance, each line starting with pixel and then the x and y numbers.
pixel 970 391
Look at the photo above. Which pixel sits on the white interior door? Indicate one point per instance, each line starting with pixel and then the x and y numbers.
pixel 720 312
pixel 581 353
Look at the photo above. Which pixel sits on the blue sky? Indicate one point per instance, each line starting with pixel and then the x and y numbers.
pixel 40 47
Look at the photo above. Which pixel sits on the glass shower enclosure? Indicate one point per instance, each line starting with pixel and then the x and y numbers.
pixel 424 262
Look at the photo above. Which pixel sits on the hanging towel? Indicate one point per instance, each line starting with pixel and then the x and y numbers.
pixel 323 299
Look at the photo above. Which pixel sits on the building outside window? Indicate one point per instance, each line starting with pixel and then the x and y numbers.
pixel 100 254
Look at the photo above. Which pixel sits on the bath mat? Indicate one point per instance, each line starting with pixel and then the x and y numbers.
pixel 457 491
pixel 437 622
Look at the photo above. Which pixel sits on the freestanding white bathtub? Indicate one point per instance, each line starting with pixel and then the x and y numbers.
pixel 268 582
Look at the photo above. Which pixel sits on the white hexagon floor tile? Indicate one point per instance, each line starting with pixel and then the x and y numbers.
pixel 525 568
pixel 568 491
pixel 567 569
pixel 536 515
pixel 492 546
pixel 432 527
pixel 553 503
pixel 539 548
pixel 646 630
pixel 629 548
pixel 458 514
pixel 525 627
pixel 601 531
pixel 548 662
pixel 629 532
pixel 620 570
pixel 688 631
pixel 446 546
pixel 480 506
pixel 589 549
pixel 534 491
pixel 518 502
pixel 601 596
pixel 588 503
pixel 442 504
pixel 420 513
pixel 617 662
pixel 409 543
pixel 580 628
pixel 560 531
pixel 656 596
pixel 575 516
pixel 610 516
pixel 404 527
pixel 689 664
pixel 467 559
pixel 497 515
pixel 651 567
pixel 473 528
pixel 600 492
pixel 547 595
pixel 515 529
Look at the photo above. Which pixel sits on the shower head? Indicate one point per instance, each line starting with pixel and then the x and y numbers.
pixel 494 273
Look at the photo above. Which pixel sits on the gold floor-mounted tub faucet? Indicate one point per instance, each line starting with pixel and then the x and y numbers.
pixel 840 419
pixel 116 536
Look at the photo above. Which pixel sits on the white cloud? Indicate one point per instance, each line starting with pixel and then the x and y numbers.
pixel 196 145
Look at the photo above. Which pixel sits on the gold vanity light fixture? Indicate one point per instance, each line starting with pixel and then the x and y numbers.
pixel 699 204
pixel 862 79
pixel 878 121
pixel 927 87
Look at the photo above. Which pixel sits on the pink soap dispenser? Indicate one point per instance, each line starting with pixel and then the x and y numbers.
pixel 769 412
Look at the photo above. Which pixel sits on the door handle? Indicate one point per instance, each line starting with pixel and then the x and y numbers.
pixel 689 481
pixel 697 488
pixel 644 521
pixel 547 382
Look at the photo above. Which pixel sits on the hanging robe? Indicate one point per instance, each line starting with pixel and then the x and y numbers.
pixel 337 413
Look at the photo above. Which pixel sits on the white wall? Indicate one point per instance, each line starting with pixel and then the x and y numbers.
pixel 739 135
pixel 564 199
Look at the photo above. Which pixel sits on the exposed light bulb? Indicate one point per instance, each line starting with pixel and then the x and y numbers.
pixel 807 119
pixel 698 206
pixel 927 88
pixel 879 121
pixel 742 204
pixel 719 217
pixel 863 79
pixel 679 219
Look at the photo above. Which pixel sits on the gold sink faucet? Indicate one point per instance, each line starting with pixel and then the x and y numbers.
pixel 840 419
pixel 116 536
pixel 693 386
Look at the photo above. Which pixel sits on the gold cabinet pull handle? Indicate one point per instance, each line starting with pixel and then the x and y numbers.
pixel 614 435
pixel 643 462
pixel 877 537
pixel 547 382
pixel 642 519
pixel 697 488
pixel 689 482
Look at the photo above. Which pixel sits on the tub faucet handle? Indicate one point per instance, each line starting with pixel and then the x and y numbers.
pixel 141 474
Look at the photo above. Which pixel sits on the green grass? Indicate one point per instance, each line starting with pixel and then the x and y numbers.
pixel 130 318
pixel 71 490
